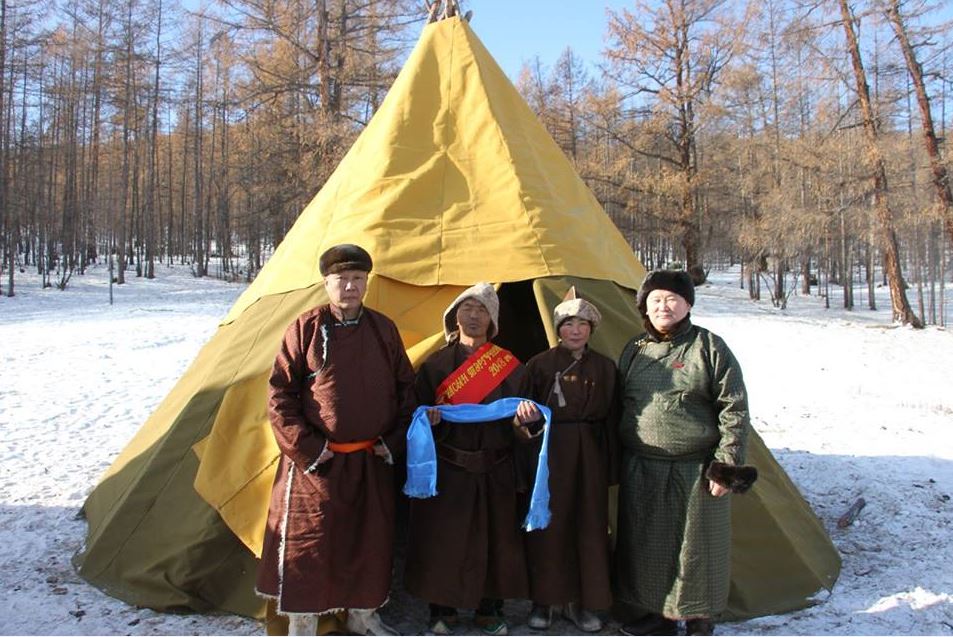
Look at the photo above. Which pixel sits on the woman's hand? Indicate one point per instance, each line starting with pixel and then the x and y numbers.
pixel 527 412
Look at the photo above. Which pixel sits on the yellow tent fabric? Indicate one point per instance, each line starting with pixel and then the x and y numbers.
pixel 453 181
pixel 450 175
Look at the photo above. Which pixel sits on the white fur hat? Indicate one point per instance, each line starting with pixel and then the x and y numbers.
pixel 485 294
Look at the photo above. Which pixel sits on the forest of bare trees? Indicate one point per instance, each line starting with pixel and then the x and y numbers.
pixel 804 139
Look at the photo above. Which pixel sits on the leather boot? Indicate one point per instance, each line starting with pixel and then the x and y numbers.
pixel 651 624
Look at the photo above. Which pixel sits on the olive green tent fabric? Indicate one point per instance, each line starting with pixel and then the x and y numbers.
pixel 620 312
pixel 781 554
pixel 454 181
pixel 153 541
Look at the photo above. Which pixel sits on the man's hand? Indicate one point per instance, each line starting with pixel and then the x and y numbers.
pixel 326 454
pixel 381 451
pixel 433 415
pixel 717 490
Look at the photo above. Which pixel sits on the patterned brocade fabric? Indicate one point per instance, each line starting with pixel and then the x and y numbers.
pixel 684 405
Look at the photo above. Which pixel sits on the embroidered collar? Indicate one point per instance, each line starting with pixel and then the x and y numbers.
pixel 338 320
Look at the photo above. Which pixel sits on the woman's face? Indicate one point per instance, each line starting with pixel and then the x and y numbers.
pixel 574 333
pixel 666 309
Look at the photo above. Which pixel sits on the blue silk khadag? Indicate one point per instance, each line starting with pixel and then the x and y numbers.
pixel 422 454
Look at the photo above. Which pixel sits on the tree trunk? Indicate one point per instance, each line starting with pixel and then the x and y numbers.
pixel 151 215
pixel 94 197
pixel 844 271
pixel 942 301
pixel 941 181
pixel 124 206
pixel 933 262
pixel 323 48
pixel 780 291
pixel 8 222
pixel 805 275
pixel 200 260
pixel 170 228
pixel 891 251
pixel 183 189
pixel 918 267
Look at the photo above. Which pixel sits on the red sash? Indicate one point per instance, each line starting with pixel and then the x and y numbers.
pixel 351 447
pixel 480 374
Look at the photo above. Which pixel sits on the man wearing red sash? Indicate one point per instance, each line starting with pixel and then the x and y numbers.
pixel 465 549
pixel 341 396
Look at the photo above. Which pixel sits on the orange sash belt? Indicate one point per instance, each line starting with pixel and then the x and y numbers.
pixel 480 374
pixel 351 447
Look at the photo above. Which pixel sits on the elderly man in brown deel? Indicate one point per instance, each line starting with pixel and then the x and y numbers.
pixel 341 396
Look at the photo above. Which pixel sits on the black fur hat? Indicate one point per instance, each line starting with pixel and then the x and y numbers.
pixel 736 479
pixel 345 256
pixel 677 281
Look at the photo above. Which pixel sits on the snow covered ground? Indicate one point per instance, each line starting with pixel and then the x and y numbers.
pixel 850 405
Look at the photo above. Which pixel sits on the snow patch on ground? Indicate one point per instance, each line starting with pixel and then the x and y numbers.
pixel 850 405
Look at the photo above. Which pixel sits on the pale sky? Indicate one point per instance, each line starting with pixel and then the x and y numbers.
pixel 515 31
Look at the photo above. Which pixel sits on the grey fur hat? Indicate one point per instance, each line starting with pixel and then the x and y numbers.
pixel 573 306
pixel 485 294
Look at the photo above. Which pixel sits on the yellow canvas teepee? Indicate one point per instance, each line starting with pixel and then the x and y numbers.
pixel 453 181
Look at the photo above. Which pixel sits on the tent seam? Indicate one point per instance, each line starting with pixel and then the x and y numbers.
pixel 506 148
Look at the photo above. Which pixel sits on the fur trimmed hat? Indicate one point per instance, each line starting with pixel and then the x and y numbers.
pixel 345 256
pixel 485 294
pixel 574 307
pixel 677 281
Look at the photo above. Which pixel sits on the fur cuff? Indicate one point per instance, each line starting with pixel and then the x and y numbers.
pixel 737 479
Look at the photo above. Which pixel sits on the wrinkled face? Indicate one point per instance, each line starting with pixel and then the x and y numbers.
pixel 346 290
pixel 574 333
pixel 473 319
pixel 666 309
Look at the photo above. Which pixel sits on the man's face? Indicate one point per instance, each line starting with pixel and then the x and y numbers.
pixel 346 289
pixel 666 309
pixel 473 319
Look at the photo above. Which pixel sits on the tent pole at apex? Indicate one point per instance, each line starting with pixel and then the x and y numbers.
pixel 450 8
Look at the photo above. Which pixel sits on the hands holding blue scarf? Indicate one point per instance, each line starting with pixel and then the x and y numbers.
pixel 422 453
